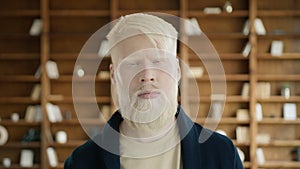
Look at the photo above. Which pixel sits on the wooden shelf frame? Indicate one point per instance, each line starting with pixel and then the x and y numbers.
pixel 112 9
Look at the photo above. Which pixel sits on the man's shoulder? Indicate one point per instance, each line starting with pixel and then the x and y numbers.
pixel 208 137
pixel 84 155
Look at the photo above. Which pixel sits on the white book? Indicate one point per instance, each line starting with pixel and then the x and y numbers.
pixel 30 113
pixel 247 49
pixel 36 27
pixel 38 116
pixel 260 156
pixel 212 10
pixel 196 72
pixel 245 90
pixel 242 134
pixel 54 113
pixel 242 114
pixel 289 111
pixel 246 27
pixel 217 110
pixel 38 72
pixel 36 92
pixel 52 70
pixel 258 109
pixel 103 49
pixel 26 158
pixel 191 27
pixel 259 27
pixel 52 157
pixel 277 48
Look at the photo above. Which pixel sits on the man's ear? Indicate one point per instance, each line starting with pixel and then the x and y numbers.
pixel 178 72
pixel 112 75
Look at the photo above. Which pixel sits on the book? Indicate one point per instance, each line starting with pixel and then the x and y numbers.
pixel 216 110
pixel 277 48
pixel 258 109
pixel 36 27
pixel 263 90
pixel 259 27
pixel 191 27
pixel 196 72
pixel 33 113
pixel 36 92
pixel 245 90
pixel 52 70
pixel 263 138
pixel 52 157
pixel 247 49
pixel 104 48
pixel 105 75
pixel 242 114
pixel 38 72
pixel 290 111
pixel 54 113
pixel 242 134
pixel 30 113
pixel 212 10
pixel 260 156
pixel 26 158
pixel 246 28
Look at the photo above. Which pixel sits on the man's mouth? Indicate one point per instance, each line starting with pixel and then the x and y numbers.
pixel 149 94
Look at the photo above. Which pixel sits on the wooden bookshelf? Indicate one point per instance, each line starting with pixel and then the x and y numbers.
pixel 68 25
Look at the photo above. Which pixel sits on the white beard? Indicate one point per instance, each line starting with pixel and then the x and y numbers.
pixel 152 114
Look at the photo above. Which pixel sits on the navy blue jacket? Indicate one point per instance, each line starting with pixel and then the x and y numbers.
pixel 217 152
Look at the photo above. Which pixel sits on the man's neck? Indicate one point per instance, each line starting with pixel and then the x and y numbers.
pixel 144 133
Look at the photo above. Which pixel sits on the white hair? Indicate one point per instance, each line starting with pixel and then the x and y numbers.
pixel 161 33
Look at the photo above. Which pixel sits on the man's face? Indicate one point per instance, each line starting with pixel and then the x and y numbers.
pixel 146 79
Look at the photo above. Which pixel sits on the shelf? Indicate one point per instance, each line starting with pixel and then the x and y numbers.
pixel 279 99
pixel 235 13
pixel 19 56
pixel 18 78
pixel 74 56
pixel 17 166
pixel 229 77
pixel 69 78
pixel 69 144
pixel 125 12
pixel 284 56
pixel 19 123
pixel 24 100
pixel 80 13
pixel 247 164
pixel 278 13
pixel 20 145
pixel 279 164
pixel 59 166
pixel 226 36
pixel 239 144
pixel 279 36
pixel 281 143
pixel 69 99
pixel 279 121
pixel 21 13
pixel 223 120
pixel 271 77
pixel 207 99
pixel 222 56
pixel 73 122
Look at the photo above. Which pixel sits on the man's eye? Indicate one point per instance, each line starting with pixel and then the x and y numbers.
pixel 156 61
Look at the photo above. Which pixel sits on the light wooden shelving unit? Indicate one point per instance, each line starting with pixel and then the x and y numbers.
pixel 67 25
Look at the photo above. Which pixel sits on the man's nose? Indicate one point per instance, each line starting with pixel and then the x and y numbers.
pixel 147 76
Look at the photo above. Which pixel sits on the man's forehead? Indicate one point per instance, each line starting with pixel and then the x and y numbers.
pixel 131 45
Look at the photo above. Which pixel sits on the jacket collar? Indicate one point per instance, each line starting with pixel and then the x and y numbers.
pixel 110 138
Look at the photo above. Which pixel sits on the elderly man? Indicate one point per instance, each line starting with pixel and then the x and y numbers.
pixel 153 131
